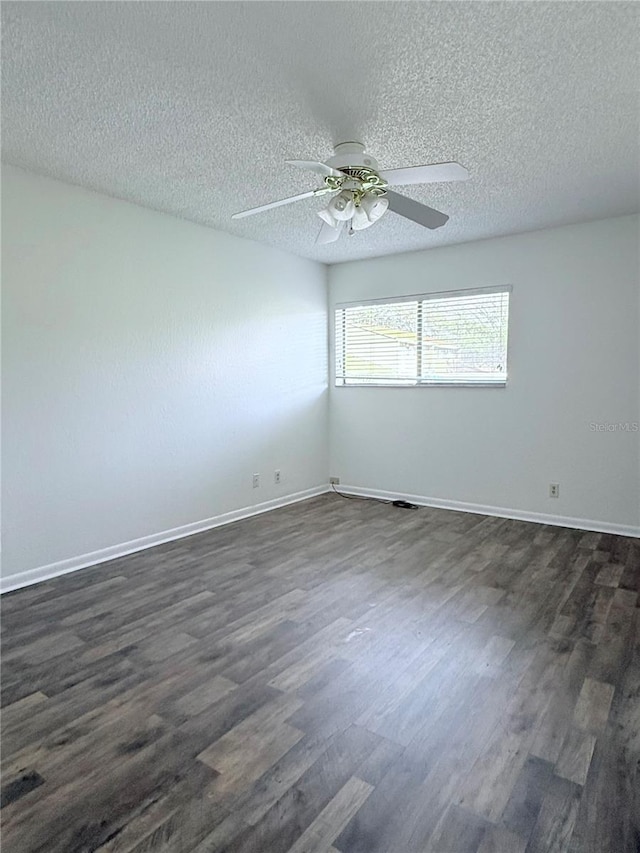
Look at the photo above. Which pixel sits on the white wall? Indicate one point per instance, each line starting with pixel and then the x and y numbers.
pixel 573 361
pixel 150 367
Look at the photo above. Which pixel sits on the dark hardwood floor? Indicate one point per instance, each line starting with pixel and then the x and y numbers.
pixel 338 675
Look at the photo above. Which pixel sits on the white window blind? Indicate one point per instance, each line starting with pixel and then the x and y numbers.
pixel 457 338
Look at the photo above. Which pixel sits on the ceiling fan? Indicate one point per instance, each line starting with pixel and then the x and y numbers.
pixel 361 193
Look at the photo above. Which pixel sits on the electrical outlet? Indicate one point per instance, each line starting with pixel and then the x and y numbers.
pixel 334 481
pixel 256 481
pixel 554 490
pixel 276 476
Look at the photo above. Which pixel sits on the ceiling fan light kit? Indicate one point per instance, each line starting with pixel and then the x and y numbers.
pixel 341 207
pixel 370 209
pixel 362 194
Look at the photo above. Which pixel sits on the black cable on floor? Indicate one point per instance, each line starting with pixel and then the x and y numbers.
pixel 359 497
pixel 401 504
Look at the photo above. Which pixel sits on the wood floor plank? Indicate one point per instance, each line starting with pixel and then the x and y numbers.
pixel 13 714
pixel 498 839
pixel 97 804
pixel 318 836
pixel 488 787
pixel 44 649
pixel 575 757
pixel 80 698
pixel 610 574
pixel 592 709
pixel 490 659
pixel 205 695
pixel 321 647
pixel 337 676
pixel 425 776
pixel 294 812
pixel 176 820
pixel 23 783
pixel 377 824
pixel 557 718
pixel 556 821
pixel 527 795
pixel 250 729
pixel 280 778
pixel 459 830
pixel 609 814
pixel 241 764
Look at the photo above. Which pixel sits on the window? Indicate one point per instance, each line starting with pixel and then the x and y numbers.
pixel 456 338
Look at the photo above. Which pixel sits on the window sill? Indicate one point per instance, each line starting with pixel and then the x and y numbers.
pixel 422 385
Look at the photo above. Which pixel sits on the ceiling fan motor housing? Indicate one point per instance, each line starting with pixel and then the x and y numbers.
pixel 352 155
pixel 359 170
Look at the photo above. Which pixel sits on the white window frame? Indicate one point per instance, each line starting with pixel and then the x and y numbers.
pixel 420 297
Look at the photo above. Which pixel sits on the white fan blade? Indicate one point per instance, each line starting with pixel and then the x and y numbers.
pixel 313 166
pixel 432 174
pixel 328 234
pixel 276 204
pixel 415 211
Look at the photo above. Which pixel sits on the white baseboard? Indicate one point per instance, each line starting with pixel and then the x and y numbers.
pixel 63 567
pixel 74 564
pixel 501 512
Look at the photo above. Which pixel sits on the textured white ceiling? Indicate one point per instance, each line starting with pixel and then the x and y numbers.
pixel 191 108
